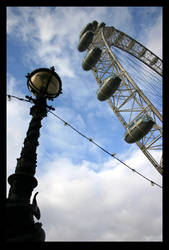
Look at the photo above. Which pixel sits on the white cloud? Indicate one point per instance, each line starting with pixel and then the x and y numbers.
pixel 17 114
pixel 54 32
pixel 154 42
pixel 89 200
pixel 151 36
pixel 51 38
pixel 82 205
pixel 79 203
pixel 120 16
pixel 17 122
pixel 12 21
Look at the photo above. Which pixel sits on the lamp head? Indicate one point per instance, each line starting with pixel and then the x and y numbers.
pixel 44 81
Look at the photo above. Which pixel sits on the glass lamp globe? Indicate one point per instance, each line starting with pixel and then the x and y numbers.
pixel 44 81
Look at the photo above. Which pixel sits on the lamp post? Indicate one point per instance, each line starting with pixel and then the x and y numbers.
pixel 45 84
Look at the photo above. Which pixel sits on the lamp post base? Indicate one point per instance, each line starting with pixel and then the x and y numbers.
pixel 20 225
pixel 36 235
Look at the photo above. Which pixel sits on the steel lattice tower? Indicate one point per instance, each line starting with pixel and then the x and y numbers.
pixel 129 102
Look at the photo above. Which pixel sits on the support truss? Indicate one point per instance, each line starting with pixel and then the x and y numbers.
pixel 122 41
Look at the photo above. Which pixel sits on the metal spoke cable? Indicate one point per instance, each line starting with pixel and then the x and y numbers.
pixel 150 77
pixel 91 140
pixel 148 81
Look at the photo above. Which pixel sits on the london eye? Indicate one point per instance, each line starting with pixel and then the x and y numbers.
pixel 132 90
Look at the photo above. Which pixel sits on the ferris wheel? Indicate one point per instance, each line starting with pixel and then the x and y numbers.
pixel 140 118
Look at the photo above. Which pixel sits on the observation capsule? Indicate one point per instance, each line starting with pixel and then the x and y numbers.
pixel 95 24
pixel 90 26
pixel 101 25
pixel 138 129
pixel 85 41
pixel 91 58
pixel 87 27
pixel 108 88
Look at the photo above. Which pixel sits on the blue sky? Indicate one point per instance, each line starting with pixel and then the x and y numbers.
pixel 83 193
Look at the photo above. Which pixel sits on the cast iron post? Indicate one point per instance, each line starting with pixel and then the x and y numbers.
pixel 45 84
pixel 20 221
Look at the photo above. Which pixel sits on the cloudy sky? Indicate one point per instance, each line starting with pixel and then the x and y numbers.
pixel 84 194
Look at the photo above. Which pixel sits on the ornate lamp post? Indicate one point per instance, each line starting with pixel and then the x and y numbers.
pixel 45 84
